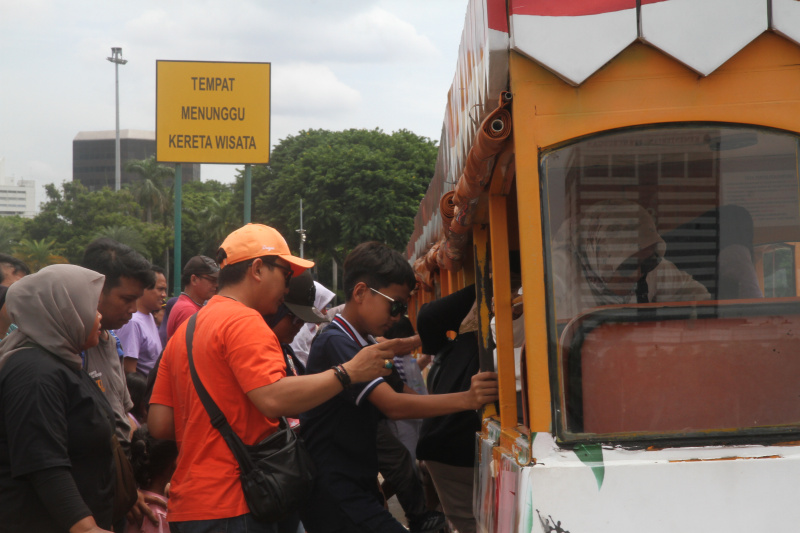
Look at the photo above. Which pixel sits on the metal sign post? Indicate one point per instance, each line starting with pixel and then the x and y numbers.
pixel 177 251
pixel 248 183
pixel 211 112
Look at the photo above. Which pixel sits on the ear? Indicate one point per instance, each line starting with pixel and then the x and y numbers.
pixel 255 269
pixel 360 291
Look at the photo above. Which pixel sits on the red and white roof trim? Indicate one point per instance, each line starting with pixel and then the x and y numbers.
pixel 575 38
pixel 703 34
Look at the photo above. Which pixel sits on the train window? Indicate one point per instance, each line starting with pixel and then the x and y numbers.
pixel 672 263
pixel 780 270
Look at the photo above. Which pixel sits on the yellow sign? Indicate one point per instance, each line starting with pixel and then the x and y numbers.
pixel 212 112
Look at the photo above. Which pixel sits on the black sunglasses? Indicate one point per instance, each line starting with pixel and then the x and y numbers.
pixel 287 272
pixel 396 308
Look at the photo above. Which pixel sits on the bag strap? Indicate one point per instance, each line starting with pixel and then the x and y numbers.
pixel 218 419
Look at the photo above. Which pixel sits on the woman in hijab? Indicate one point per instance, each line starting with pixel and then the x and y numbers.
pixel 56 464
pixel 612 254
pixel 301 343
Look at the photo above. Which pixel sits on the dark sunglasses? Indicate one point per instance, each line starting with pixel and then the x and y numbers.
pixel 287 272
pixel 632 264
pixel 396 308
pixel 211 279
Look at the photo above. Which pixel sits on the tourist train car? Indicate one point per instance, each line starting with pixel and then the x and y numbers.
pixel 633 166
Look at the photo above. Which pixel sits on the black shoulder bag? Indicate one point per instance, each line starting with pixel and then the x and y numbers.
pixel 277 473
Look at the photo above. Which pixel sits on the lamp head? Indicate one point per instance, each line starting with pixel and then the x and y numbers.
pixel 116 56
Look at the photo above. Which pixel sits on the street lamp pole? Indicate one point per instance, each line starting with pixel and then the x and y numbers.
pixel 301 231
pixel 116 58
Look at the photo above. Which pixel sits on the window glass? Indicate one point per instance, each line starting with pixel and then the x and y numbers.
pixel 779 270
pixel 664 242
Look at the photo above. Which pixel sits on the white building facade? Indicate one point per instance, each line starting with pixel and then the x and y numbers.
pixel 17 197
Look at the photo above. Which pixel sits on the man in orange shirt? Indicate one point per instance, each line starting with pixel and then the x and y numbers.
pixel 240 361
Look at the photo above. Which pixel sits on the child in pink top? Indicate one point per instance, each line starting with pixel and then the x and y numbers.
pixel 154 462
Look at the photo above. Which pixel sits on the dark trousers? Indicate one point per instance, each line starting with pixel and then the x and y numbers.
pixel 238 524
pixel 397 467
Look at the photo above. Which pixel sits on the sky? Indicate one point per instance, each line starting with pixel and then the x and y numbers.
pixel 335 65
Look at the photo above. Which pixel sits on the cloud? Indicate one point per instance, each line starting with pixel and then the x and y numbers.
pixel 371 36
pixel 336 65
pixel 304 89
pixel 46 172
pixel 356 32
pixel 154 24
pixel 15 12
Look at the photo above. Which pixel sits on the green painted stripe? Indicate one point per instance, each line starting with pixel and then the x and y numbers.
pixel 592 456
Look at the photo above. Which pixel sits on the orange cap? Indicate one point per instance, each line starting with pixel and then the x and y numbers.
pixel 258 240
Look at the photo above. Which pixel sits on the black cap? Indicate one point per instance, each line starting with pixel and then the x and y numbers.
pixel 200 265
pixel 300 299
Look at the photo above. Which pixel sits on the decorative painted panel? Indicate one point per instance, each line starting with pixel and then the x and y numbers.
pixel 786 18
pixel 703 34
pixel 572 38
pixel 658 490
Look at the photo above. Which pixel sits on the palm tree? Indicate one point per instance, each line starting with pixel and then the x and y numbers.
pixel 150 191
pixel 125 235
pixel 216 220
pixel 39 254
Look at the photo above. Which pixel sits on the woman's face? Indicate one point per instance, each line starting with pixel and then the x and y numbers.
pixel 93 338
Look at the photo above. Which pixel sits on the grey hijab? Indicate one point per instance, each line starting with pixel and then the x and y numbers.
pixel 55 309
pixel 603 237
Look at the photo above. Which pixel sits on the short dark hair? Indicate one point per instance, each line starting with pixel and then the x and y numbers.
pixel 115 260
pixel 233 274
pixel 378 266
pixel 186 278
pixel 137 388
pixel 17 264
pixel 156 270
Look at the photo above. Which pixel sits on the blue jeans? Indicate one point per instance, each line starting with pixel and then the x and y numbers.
pixel 238 524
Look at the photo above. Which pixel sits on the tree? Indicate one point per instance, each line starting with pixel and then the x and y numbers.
pixel 214 222
pixel 125 235
pixel 72 215
pixel 11 230
pixel 39 254
pixel 209 215
pixel 356 185
pixel 150 191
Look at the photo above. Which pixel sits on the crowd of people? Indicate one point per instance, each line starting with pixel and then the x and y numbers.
pixel 96 391
pixel 102 428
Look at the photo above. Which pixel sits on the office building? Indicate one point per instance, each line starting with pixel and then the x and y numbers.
pixel 93 158
pixel 17 197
